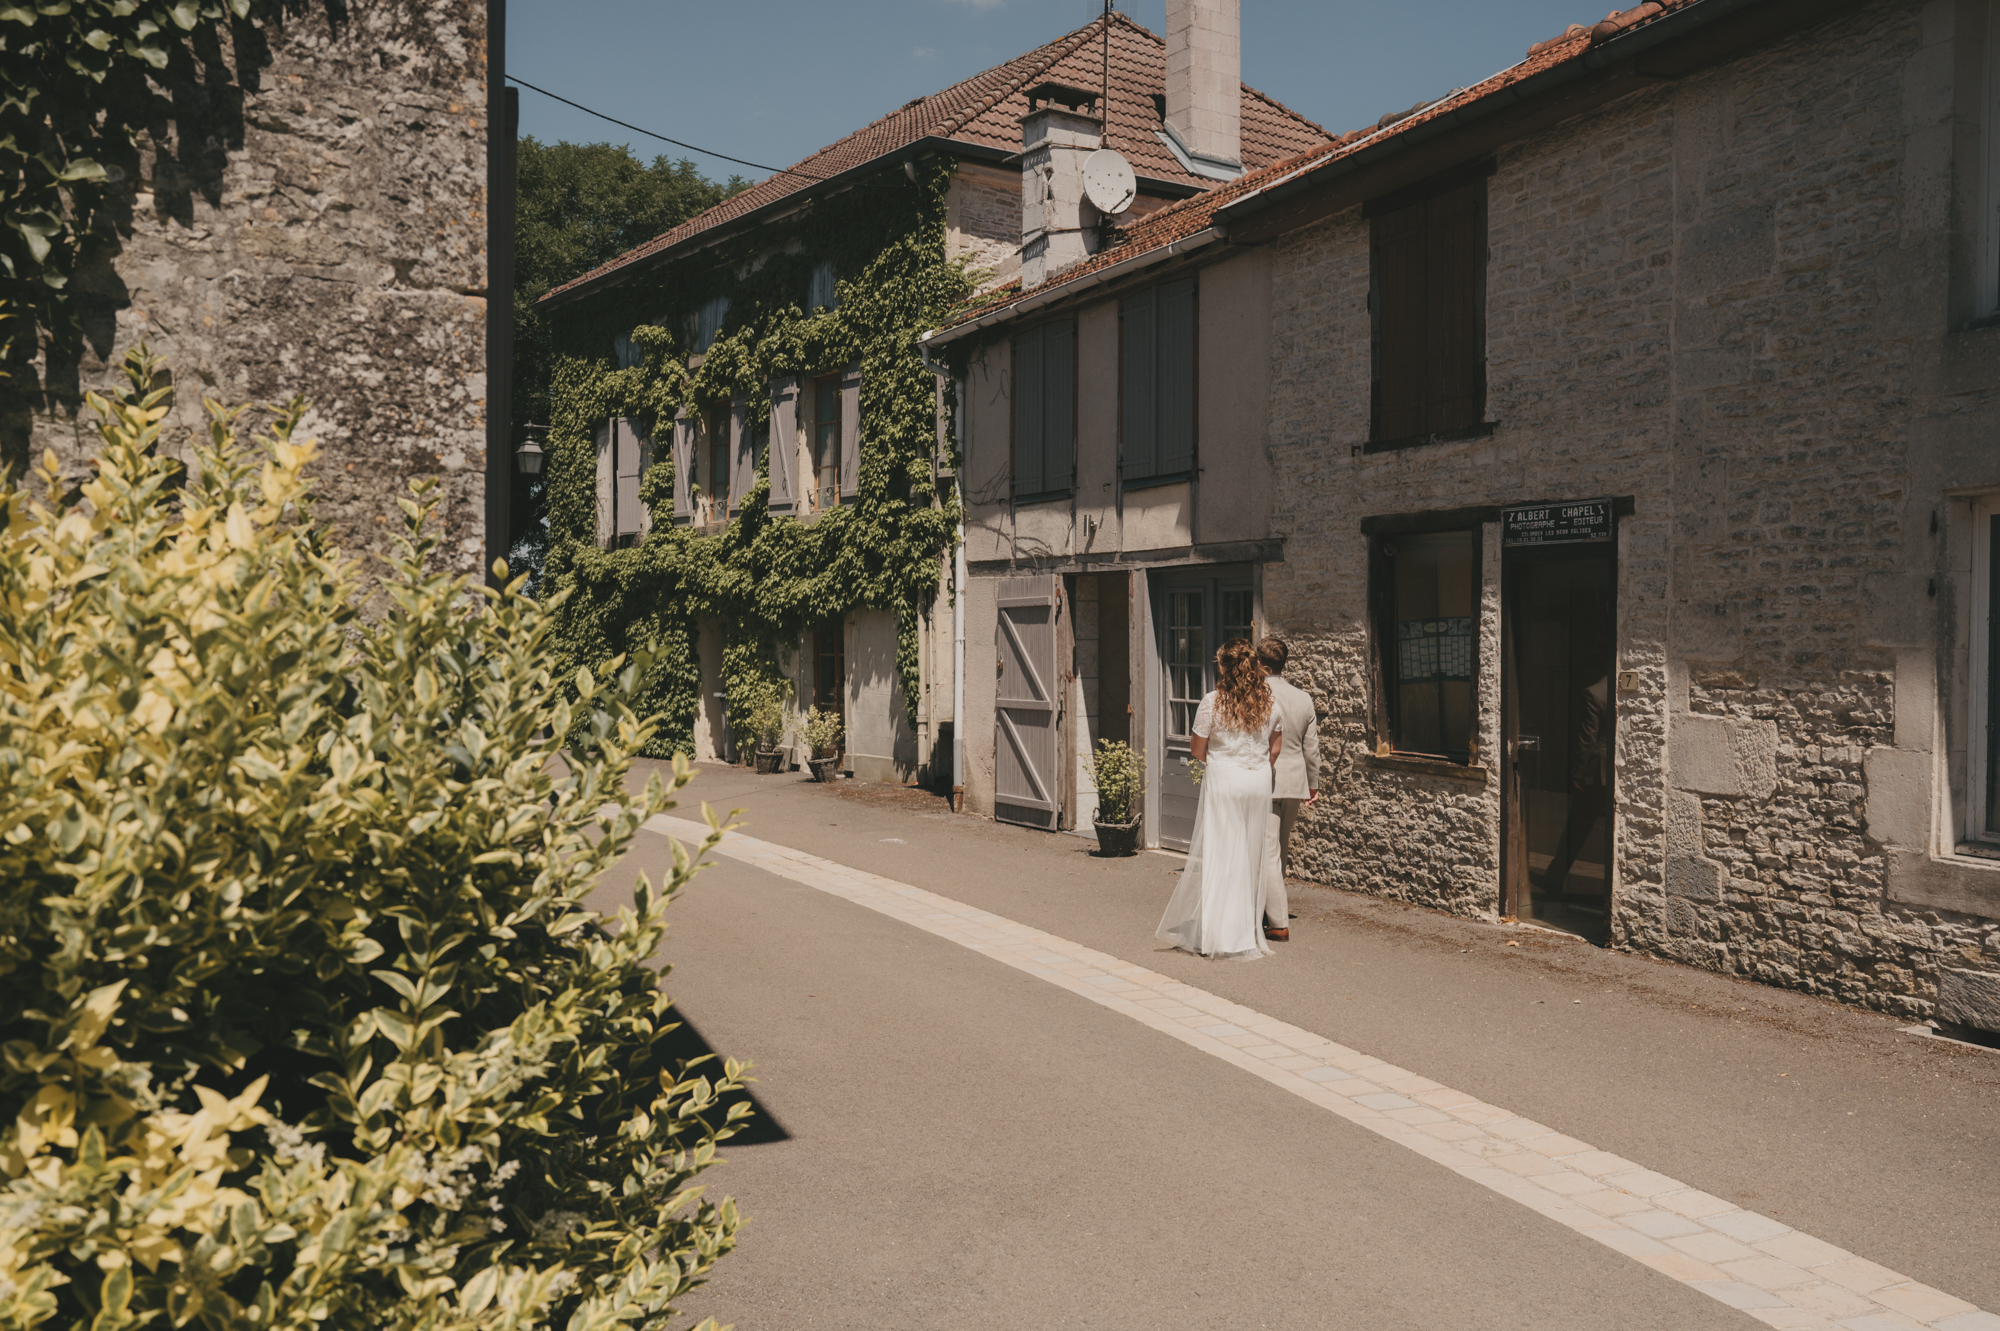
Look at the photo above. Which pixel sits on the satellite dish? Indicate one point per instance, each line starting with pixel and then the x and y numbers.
pixel 1108 182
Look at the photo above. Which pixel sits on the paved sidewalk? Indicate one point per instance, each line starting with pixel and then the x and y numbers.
pixel 1663 1099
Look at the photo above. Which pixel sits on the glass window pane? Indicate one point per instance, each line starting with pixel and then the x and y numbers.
pixel 1238 620
pixel 1430 660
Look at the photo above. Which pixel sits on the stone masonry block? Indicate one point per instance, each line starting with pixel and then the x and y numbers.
pixel 1970 998
pixel 1719 755
pixel 1899 797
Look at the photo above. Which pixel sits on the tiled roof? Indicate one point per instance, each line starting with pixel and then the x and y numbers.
pixel 986 109
pixel 1185 218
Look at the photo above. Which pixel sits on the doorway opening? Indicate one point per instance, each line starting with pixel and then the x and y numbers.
pixel 1195 611
pixel 1558 628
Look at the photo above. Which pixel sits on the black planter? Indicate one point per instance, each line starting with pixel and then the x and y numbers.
pixel 824 769
pixel 769 761
pixel 1118 838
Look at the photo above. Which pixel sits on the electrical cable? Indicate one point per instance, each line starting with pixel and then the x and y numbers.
pixel 774 170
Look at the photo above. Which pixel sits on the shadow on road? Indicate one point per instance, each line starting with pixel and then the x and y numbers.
pixel 685 1043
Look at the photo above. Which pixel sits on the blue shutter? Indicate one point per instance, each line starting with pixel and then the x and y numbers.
pixel 1028 413
pixel 1175 377
pixel 1137 452
pixel 1059 406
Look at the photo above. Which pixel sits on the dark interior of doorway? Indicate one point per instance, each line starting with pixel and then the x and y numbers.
pixel 1560 630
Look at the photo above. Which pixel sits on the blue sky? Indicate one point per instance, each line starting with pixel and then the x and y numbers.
pixel 772 80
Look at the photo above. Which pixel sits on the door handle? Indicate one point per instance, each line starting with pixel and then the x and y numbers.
pixel 1528 744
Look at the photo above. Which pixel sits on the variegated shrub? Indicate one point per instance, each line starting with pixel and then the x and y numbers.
pixel 305 1021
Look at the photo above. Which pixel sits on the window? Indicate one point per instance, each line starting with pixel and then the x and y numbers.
pixel 1428 300
pixel 826 440
pixel 1045 411
pixel 1156 333
pixel 1426 621
pixel 820 290
pixel 1239 619
pixel 1983 828
pixel 1187 660
pixel 715 466
pixel 708 322
pixel 830 668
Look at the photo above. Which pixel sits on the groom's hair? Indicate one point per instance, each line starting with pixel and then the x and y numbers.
pixel 1274 653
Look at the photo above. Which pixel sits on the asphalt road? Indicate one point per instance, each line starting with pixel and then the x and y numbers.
pixel 965 1145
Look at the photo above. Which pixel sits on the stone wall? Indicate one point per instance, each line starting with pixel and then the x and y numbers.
pixel 1729 298
pixel 315 226
pixel 983 219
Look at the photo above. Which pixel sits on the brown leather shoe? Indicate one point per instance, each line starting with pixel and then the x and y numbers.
pixel 1277 935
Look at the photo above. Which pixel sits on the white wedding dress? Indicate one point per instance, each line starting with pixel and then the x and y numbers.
pixel 1218 909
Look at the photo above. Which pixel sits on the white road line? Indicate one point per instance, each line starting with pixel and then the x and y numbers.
pixel 1749 1261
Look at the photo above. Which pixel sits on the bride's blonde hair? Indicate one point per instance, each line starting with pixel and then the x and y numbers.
pixel 1241 695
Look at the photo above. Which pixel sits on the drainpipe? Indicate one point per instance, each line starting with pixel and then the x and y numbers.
pixel 958 664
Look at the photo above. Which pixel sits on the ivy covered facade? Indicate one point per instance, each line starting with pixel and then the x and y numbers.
pixel 752 478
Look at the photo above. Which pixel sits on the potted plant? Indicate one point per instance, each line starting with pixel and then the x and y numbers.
pixel 766 720
pixel 1120 782
pixel 822 736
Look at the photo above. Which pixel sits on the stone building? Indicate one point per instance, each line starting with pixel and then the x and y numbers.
pixel 312 216
pixel 776 399
pixel 1629 423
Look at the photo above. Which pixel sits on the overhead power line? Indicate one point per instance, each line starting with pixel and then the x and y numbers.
pixel 706 152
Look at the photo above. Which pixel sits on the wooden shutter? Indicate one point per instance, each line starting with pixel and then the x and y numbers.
pixel 1456 341
pixel 850 432
pixel 1059 406
pixel 625 492
pixel 1028 413
pixel 742 454
pixel 1174 376
pixel 1402 309
pixel 1137 451
pixel 1025 779
pixel 606 484
pixel 683 463
pixel 784 445
pixel 642 439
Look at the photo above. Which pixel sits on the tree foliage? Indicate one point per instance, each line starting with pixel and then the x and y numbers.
pixel 304 1021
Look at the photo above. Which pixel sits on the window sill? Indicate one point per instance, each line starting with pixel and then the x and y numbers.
pixel 1983 321
pixel 1479 431
pixel 1148 482
pixel 1044 497
pixel 1413 765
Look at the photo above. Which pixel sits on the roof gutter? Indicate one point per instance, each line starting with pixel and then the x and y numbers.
pixel 909 152
pixel 1617 50
pixel 1062 291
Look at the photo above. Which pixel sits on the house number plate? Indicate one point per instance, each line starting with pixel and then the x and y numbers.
pixel 1556 524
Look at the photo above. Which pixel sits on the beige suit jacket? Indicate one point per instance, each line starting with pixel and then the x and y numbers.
pixel 1297 773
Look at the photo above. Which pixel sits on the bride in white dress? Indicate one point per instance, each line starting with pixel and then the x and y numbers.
pixel 1218 909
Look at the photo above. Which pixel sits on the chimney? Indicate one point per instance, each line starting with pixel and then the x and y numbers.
pixel 1058 225
pixel 1204 86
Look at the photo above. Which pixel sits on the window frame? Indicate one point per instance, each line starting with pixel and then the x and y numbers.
pixel 826 494
pixel 1384 643
pixel 1983 674
pixel 1427 366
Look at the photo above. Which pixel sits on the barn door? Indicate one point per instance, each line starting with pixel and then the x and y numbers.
pixel 1026 776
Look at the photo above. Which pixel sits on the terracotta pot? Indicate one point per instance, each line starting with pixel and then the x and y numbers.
pixel 1118 838
pixel 769 761
pixel 824 769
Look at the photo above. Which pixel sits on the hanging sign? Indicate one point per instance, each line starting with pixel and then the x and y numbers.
pixel 1556 524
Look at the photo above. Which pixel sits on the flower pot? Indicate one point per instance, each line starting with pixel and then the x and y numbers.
pixel 769 761
pixel 1118 838
pixel 824 769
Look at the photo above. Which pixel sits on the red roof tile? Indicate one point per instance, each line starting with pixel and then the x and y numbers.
pixel 1184 218
pixel 986 110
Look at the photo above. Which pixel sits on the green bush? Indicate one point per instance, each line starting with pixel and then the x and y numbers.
pixel 766 719
pixel 1115 771
pixel 822 732
pixel 303 1020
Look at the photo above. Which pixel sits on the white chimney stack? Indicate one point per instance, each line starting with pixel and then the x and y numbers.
pixel 1204 86
pixel 1058 225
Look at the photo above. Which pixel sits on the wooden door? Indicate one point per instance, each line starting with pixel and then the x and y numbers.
pixel 1026 779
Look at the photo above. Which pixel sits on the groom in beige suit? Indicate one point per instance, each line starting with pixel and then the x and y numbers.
pixel 1294 784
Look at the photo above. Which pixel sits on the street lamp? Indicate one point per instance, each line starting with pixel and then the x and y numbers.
pixel 528 457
